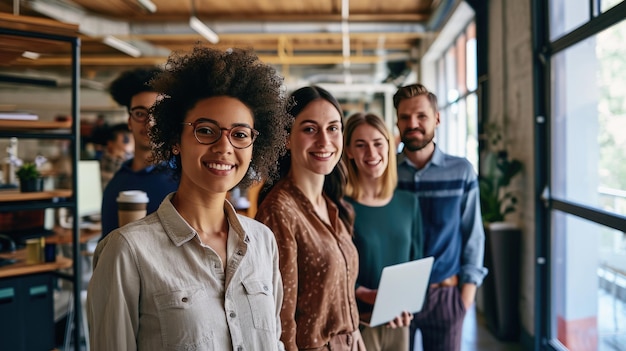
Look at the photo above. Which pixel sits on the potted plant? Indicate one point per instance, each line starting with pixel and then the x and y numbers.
pixel 497 170
pixel 30 178
pixel 502 239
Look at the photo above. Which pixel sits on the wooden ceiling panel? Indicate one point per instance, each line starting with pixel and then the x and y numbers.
pixel 295 32
pixel 362 7
pixel 112 8
pixel 251 9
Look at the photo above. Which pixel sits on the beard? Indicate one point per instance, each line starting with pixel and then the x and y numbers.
pixel 415 144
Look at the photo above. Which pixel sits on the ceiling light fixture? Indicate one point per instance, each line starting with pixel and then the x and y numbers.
pixel 122 46
pixel 148 5
pixel 203 30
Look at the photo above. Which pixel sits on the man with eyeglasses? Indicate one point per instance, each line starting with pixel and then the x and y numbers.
pixel 131 90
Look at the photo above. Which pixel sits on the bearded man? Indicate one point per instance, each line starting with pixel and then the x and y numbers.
pixel 448 193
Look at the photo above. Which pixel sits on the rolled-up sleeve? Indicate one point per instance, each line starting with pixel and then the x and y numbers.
pixel 472 269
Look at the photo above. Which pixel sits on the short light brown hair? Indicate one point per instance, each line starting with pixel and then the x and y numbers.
pixel 413 90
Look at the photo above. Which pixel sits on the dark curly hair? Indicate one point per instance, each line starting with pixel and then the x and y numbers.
pixel 131 83
pixel 205 72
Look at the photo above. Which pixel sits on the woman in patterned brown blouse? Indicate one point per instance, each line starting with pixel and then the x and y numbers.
pixel 313 229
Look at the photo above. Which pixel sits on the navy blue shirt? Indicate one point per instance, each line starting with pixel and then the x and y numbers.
pixel 156 181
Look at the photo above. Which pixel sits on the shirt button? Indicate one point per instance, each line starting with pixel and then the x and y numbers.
pixel 239 253
pixel 265 288
pixel 239 348
pixel 185 299
pixel 233 315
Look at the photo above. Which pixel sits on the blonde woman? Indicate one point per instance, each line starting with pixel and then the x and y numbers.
pixel 371 161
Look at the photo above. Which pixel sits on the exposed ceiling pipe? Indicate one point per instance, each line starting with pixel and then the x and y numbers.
pixel 16 7
pixel 89 24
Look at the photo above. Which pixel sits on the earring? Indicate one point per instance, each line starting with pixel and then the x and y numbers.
pixel 175 151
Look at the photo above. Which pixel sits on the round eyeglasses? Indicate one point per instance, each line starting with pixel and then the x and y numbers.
pixel 139 114
pixel 208 132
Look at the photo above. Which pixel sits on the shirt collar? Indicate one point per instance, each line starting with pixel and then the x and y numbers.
pixel 438 159
pixel 180 232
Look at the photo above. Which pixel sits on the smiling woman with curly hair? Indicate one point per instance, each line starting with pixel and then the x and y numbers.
pixel 195 274
pixel 236 73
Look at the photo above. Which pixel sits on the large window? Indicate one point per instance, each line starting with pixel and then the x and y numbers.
pixel 589 121
pixel 586 75
pixel 456 90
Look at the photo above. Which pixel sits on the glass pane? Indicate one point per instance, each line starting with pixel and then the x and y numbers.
pixel 566 15
pixel 472 130
pixel 461 61
pixel 606 5
pixel 451 93
pixel 588 138
pixel 441 81
pixel 452 129
pixel 472 80
pixel 441 133
pixel 589 284
pixel 461 126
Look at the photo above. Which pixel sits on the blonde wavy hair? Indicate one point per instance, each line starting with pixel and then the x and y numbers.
pixel 389 179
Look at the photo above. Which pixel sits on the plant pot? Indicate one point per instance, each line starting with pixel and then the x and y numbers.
pixel 501 286
pixel 31 185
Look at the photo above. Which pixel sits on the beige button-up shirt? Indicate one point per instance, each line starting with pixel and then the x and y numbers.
pixel 156 287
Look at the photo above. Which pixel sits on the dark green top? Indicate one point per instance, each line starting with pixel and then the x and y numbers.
pixel 386 235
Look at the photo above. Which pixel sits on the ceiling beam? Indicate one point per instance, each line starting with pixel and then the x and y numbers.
pixel 354 17
pixel 256 36
pixel 117 61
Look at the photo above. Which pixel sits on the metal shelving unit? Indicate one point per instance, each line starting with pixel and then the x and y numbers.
pixel 19 34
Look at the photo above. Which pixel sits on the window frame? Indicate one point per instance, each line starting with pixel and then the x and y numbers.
pixel 545 204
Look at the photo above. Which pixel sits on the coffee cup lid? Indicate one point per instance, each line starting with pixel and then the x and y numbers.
pixel 134 196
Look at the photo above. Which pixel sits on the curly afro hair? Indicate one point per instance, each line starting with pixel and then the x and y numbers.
pixel 131 83
pixel 237 73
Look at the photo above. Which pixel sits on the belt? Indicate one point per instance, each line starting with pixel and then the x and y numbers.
pixel 450 281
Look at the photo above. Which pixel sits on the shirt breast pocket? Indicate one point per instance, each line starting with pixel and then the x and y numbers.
pixel 261 299
pixel 185 320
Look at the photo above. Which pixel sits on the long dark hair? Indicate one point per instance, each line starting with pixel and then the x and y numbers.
pixel 336 180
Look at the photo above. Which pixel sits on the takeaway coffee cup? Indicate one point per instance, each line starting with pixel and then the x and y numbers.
pixel 131 206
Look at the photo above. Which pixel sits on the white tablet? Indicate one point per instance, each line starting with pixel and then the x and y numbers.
pixel 402 287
